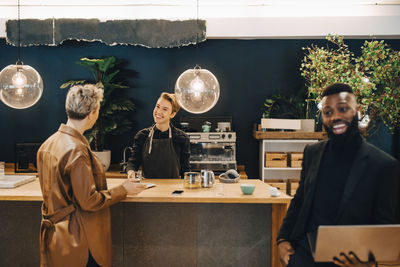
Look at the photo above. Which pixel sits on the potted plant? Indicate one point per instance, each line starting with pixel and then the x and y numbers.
pixel 374 77
pixel 114 109
pixel 294 107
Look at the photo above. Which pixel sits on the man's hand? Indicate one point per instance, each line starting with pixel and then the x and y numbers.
pixel 131 174
pixel 285 250
pixel 132 187
pixel 351 260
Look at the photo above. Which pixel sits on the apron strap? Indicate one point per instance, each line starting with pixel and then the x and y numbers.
pixel 151 134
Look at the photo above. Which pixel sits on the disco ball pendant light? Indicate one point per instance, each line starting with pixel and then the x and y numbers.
pixel 20 85
pixel 197 89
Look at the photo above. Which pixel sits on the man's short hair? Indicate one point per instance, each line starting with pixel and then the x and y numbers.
pixel 337 88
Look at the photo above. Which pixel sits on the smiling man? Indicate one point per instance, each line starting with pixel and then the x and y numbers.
pixel 344 181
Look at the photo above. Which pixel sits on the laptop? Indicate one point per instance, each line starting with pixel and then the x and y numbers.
pixel 382 240
pixel 12 181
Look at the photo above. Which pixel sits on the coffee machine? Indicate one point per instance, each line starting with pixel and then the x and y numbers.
pixel 211 147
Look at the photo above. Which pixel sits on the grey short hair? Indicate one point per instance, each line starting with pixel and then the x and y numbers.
pixel 83 99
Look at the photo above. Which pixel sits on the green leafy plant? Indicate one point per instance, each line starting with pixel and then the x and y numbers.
pixel 283 107
pixel 374 76
pixel 115 108
pixel 295 106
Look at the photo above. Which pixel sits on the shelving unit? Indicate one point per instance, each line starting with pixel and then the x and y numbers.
pixel 283 142
pixel 283 145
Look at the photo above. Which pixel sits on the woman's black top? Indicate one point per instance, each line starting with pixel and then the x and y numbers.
pixel 180 142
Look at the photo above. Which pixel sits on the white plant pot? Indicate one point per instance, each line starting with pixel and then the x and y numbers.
pixel 307 125
pixel 105 157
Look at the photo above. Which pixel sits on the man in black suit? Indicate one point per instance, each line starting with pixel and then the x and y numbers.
pixel 344 181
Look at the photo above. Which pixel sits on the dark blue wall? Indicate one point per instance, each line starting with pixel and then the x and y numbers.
pixel 248 71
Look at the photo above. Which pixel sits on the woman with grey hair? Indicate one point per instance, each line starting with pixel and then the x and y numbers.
pixel 76 227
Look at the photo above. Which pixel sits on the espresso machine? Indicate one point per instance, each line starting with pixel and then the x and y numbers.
pixel 211 148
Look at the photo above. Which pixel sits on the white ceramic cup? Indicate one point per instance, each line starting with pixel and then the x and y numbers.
pixel 273 191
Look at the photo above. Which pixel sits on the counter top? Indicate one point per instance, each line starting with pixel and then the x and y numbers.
pixel 162 192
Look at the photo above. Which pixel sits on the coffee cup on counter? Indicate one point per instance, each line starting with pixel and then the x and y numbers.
pixel 247 189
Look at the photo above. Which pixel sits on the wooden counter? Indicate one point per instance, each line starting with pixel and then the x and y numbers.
pixel 232 196
pixel 162 192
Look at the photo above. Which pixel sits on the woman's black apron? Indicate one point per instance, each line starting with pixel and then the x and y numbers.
pixel 159 159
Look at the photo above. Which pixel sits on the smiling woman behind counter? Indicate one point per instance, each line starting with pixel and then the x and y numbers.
pixel 161 150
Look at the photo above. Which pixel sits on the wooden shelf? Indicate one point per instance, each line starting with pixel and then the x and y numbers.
pixel 259 135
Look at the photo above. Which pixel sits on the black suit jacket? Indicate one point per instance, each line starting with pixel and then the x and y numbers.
pixel 371 195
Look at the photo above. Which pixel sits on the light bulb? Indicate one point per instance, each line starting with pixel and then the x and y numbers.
pixel 197 90
pixel 197 84
pixel 20 86
pixel 197 87
pixel 19 79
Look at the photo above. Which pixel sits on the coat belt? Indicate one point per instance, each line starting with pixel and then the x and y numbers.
pixel 50 219
pixel 47 228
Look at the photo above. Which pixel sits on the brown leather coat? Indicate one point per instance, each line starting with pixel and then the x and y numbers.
pixel 76 215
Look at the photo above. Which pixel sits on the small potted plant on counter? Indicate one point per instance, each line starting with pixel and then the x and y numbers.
pixel 115 109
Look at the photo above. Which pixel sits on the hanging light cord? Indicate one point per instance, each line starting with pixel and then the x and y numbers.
pixel 197 33
pixel 197 15
pixel 19 62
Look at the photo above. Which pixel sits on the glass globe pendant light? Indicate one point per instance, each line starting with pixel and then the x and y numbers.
pixel 20 85
pixel 197 89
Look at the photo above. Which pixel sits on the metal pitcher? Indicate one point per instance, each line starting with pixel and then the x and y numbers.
pixel 207 178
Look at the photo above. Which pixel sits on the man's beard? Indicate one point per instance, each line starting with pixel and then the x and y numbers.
pixel 352 130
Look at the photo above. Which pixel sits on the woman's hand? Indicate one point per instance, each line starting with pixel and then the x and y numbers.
pixel 285 250
pixel 351 260
pixel 132 187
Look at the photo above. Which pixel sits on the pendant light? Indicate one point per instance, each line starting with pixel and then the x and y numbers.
pixel 20 85
pixel 197 89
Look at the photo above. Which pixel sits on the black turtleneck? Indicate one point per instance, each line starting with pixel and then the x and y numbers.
pixel 332 176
